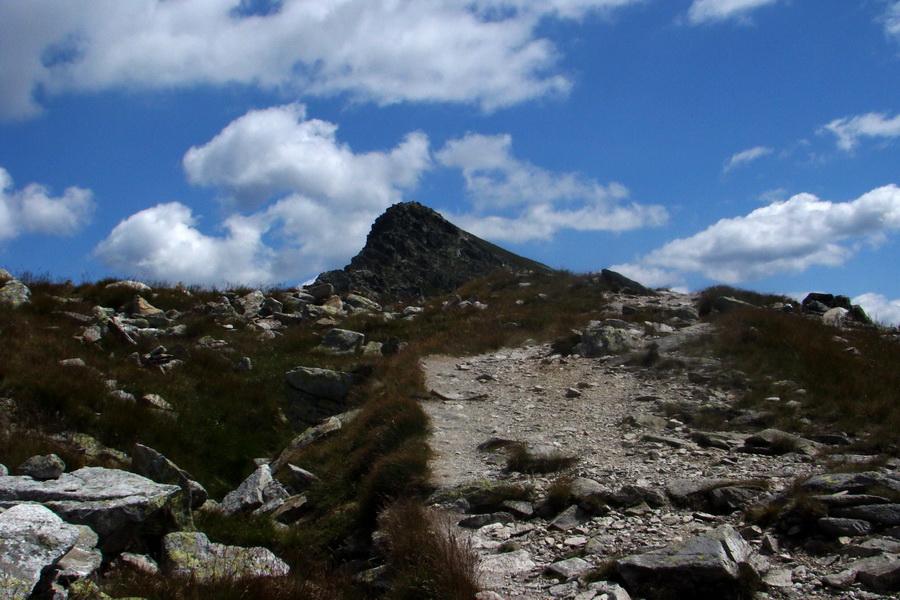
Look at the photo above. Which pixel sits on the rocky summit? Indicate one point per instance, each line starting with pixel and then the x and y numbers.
pixel 412 251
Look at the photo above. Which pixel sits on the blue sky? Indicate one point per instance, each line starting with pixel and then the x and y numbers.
pixel 681 142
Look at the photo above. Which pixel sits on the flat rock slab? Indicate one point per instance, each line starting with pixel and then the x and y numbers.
pixel 32 538
pixel 115 504
pixel 717 566
pixel 193 555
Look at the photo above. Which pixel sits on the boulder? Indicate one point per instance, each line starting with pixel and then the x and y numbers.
pixel 82 560
pixel 719 565
pixel 32 540
pixel 42 468
pixel 880 573
pixel 727 304
pixel 342 341
pixel 151 464
pixel 250 305
pixel 115 504
pixel 602 341
pixel 193 556
pixel 316 394
pixel 142 308
pixel 255 491
pixel 14 294
pixel 306 438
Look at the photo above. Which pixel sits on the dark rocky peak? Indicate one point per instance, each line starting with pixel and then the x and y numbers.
pixel 413 251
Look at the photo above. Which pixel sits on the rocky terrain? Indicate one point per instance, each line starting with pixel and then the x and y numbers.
pixel 619 459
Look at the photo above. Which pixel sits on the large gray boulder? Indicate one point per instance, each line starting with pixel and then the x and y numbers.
pixel 342 341
pixel 44 467
pixel 604 340
pixel 32 539
pixel 250 305
pixel 14 294
pixel 115 504
pixel 719 565
pixel 193 556
pixel 316 394
pixel 255 491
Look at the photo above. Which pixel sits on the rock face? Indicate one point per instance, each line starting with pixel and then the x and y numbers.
pixel 32 538
pixel 413 251
pixel 316 394
pixel 718 565
pixel 115 504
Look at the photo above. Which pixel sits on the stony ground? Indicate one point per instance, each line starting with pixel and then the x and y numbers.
pixel 583 407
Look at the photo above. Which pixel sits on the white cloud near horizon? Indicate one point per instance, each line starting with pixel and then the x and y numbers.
pixel 483 52
pixel 745 157
pixel 540 202
pixel 879 308
pixel 296 199
pixel 33 210
pixel 704 11
pixel 850 130
pixel 783 237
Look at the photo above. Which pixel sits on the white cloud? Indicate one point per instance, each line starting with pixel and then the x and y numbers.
pixel 703 11
pixel 311 201
pixel 484 52
pixel 163 243
pixel 33 210
pixel 788 236
pixel 891 20
pixel 277 150
pixel 541 202
pixel 745 157
pixel 850 130
pixel 879 308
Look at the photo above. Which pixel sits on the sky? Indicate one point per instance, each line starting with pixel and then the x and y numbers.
pixel 683 143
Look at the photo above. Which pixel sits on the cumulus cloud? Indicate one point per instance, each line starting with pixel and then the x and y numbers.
pixel 299 201
pixel 745 157
pixel 485 52
pixel 278 150
pixel 850 130
pixel 703 11
pixel 880 308
pixel 537 202
pixel 33 210
pixel 788 236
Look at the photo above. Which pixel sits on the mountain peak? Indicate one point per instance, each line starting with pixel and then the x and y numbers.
pixel 413 251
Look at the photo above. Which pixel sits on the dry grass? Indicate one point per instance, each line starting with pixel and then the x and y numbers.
pixel 427 556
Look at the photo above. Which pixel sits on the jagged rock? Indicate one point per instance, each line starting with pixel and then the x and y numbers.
pixel 570 518
pixel 306 438
pixel 630 495
pixel 151 464
pixel 138 562
pixel 726 304
pixel 32 540
pixel 255 491
pixel 193 556
pixel 775 442
pixel 496 568
pixel 881 514
pixel 42 468
pixel 589 495
pixel 727 499
pixel 568 569
pixel 115 504
pixel 82 560
pixel 479 521
pixel 599 341
pixel 880 573
pixel 271 307
pixel 157 402
pixel 142 308
pixel 342 341
pixel 320 292
pixel 14 294
pixel 250 305
pixel 291 509
pixel 412 252
pixel 361 303
pixel 872 547
pixel 316 394
pixel 719 565
pixel 620 284
pixel 693 493
pixel 854 483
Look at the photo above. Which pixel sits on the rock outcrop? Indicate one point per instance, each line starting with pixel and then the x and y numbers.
pixel 412 252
